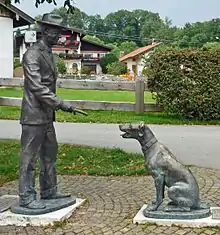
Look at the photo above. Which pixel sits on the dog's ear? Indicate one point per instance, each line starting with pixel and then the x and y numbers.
pixel 141 129
pixel 142 125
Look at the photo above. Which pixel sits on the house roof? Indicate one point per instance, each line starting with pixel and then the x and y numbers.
pixel 23 20
pixel 97 47
pixel 97 44
pixel 138 51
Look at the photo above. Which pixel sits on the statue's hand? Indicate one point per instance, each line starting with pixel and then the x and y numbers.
pixel 67 107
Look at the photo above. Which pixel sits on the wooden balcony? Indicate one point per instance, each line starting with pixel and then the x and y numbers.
pixel 90 59
pixel 82 57
pixel 70 56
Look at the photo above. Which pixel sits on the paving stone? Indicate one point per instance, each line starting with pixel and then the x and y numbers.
pixel 181 232
pixel 209 232
pixel 114 201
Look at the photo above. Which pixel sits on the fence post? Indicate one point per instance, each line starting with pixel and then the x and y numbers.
pixel 139 95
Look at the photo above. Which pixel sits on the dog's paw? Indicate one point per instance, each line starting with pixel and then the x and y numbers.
pixel 154 202
pixel 152 207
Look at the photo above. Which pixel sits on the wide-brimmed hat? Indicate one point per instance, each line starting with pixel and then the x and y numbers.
pixel 51 20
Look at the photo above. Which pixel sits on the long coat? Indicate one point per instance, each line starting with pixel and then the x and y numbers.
pixel 40 74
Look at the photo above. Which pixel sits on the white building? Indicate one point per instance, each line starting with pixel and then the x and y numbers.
pixel 76 51
pixel 135 60
pixel 10 18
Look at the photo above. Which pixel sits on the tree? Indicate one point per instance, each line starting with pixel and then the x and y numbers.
pixel 139 26
pixel 125 48
pixel 67 3
pixel 117 68
pixel 111 59
pixel 107 59
pixel 60 65
pixel 76 20
pixel 95 23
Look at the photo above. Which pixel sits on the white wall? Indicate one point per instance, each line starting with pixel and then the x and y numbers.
pixel 6 47
pixel 130 62
pixel 98 69
pixel 140 63
pixel 69 64
pixel 23 49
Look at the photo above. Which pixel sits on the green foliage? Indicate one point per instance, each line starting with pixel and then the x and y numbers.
pixel 94 39
pixel 61 65
pixel 197 34
pixel 17 63
pixel 125 47
pixel 211 46
pixel 75 159
pixel 78 94
pixel 117 68
pixel 85 70
pixel 112 58
pixel 66 3
pixel 107 59
pixel 110 116
pixel 187 82
pixel 76 20
pixel 139 26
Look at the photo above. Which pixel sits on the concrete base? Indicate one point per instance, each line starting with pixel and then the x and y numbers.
pixel 9 218
pixel 51 206
pixel 193 223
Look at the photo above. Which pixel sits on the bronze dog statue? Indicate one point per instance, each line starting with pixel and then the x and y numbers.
pixel 166 170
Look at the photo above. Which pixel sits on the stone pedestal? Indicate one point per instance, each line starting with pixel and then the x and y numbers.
pixel 51 206
pixel 7 217
pixel 209 221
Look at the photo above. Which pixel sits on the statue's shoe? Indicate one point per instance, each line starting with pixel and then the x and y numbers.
pixel 35 205
pixel 56 196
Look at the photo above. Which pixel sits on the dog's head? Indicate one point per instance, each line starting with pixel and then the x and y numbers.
pixel 135 131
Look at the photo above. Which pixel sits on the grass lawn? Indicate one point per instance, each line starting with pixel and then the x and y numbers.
pixel 13 113
pixel 96 95
pixel 75 159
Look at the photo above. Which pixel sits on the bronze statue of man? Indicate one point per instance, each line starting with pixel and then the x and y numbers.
pixel 37 116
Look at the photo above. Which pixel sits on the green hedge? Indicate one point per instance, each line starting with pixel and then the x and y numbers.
pixel 17 63
pixel 117 68
pixel 186 82
pixel 61 66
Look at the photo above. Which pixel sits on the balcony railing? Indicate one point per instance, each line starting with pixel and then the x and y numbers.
pixel 90 59
pixel 84 58
pixel 70 56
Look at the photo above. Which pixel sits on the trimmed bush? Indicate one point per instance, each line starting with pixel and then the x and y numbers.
pixel 85 70
pixel 107 59
pixel 61 66
pixel 186 82
pixel 17 63
pixel 117 68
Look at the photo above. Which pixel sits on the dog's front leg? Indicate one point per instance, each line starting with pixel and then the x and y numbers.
pixel 159 185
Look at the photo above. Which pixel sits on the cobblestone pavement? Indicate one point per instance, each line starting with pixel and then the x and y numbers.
pixel 112 202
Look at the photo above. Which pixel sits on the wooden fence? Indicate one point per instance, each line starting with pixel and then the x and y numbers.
pixel 139 87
